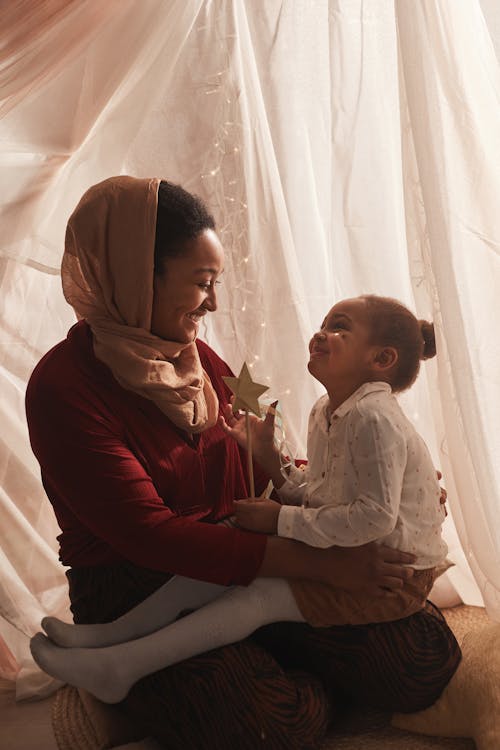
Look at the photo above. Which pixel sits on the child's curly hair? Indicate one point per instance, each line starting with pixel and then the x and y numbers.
pixel 392 324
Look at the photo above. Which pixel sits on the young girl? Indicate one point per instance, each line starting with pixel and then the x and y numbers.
pixel 369 477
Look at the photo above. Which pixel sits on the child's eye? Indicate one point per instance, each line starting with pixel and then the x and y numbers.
pixel 335 326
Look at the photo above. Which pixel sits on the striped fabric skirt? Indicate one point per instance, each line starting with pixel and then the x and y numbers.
pixel 280 688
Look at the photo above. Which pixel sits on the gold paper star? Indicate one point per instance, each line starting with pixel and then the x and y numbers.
pixel 247 392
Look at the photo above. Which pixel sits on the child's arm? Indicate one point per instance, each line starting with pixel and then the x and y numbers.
pixel 379 461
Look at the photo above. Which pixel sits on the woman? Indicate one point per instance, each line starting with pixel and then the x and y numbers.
pixel 123 419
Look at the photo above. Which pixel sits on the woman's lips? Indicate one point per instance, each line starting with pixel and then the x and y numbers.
pixel 195 317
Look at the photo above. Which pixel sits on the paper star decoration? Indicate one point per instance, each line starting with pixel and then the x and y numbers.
pixel 246 391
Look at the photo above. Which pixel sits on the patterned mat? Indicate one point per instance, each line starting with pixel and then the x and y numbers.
pixel 81 723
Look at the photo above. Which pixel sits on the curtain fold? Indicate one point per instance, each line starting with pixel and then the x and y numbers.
pixel 344 147
pixel 453 96
pixel 41 37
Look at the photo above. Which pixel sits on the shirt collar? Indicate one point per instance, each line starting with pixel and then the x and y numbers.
pixel 347 405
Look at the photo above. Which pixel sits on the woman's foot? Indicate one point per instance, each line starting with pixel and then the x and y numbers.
pixel 91 669
pixel 83 636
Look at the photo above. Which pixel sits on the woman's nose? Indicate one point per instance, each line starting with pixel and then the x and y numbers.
pixel 211 300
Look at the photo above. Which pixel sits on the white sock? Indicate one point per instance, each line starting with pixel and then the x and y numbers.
pixel 158 610
pixel 110 672
pixel 88 668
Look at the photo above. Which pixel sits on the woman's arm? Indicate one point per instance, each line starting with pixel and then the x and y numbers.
pixel 371 567
pixel 106 501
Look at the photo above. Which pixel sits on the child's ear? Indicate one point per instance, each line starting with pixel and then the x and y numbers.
pixel 385 358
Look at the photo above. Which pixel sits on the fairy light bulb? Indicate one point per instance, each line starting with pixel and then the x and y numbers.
pixel 225 190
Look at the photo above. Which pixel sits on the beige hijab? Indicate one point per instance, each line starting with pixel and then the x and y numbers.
pixel 107 277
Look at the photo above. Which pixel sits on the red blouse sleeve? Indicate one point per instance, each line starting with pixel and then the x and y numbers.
pixel 97 484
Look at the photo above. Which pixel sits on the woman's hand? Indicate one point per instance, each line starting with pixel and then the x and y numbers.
pixel 256 514
pixel 262 432
pixel 444 495
pixel 373 568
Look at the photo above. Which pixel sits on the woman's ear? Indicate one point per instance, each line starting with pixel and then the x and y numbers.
pixel 385 358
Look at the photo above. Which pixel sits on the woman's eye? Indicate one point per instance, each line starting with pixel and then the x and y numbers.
pixel 207 285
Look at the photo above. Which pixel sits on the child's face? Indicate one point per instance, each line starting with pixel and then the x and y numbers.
pixel 340 352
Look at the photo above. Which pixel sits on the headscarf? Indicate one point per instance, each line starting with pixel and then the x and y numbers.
pixel 107 277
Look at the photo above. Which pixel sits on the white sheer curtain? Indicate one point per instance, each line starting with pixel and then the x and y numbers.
pixel 344 147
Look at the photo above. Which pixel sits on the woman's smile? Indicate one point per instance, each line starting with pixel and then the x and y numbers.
pixel 196 316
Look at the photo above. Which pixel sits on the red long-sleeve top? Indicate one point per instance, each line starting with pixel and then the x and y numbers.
pixel 125 482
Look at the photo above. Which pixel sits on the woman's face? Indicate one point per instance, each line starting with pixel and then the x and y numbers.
pixel 185 291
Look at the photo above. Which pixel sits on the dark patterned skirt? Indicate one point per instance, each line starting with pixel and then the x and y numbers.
pixel 279 689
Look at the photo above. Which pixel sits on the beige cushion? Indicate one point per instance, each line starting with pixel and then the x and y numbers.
pixel 470 704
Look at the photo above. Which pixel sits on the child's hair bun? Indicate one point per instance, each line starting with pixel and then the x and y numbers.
pixel 427 330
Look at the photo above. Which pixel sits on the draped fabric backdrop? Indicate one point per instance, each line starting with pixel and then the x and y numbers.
pixel 344 146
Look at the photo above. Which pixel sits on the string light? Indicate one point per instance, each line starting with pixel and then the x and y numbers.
pixel 222 177
pixel 222 172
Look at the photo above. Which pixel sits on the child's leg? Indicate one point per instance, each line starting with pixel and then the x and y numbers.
pixel 158 610
pixel 109 673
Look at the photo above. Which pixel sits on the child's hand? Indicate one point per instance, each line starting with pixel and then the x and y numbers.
pixel 256 514
pixel 262 430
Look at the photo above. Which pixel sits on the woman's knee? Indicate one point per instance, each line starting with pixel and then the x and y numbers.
pixel 235 696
